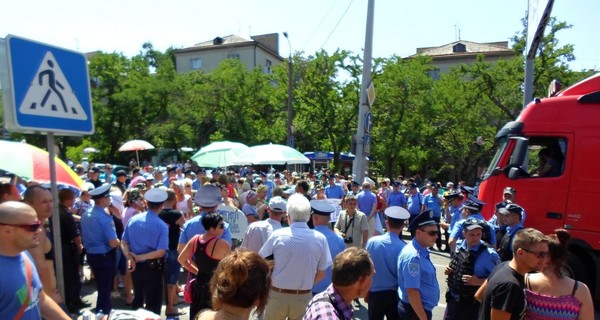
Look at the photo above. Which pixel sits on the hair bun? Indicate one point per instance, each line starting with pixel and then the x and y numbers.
pixel 563 236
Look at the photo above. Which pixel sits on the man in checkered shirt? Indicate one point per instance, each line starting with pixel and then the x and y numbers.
pixel 352 274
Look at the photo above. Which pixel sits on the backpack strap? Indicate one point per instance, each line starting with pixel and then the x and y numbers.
pixel 29 271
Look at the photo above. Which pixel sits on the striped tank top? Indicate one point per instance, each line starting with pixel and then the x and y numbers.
pixel 543 307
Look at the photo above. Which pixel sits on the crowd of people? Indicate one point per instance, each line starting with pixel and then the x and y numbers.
pixel 315 244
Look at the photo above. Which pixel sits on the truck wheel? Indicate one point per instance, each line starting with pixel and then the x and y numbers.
pixel 577 270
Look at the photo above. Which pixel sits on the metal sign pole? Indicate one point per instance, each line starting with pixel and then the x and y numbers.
pixel 58 261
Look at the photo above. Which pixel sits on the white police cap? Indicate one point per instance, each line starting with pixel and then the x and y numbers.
pixel 208 196
pixel 100 192
pixel 156 195
pixel 396 212
pixel 321 207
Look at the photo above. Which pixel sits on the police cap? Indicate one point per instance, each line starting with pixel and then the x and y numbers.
pixel 321 207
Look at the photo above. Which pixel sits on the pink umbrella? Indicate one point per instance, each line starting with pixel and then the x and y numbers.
pixel 136 145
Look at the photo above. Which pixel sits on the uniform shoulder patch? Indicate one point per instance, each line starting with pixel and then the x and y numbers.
pixel 414 268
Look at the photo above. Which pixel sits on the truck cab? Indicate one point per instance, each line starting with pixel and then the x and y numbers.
pixel 551 155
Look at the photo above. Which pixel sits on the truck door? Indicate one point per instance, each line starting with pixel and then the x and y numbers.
pixel 539 169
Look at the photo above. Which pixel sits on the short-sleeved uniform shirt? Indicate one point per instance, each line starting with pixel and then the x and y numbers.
pixel 384 251
pixel 416 271
pixel 194 227
pixel 505 291
pixel 336 245
pixel 366 200
pixel 146 232
pixel 97 229
pixel 396 199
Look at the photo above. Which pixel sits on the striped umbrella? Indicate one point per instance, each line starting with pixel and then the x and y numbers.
pixel 33 163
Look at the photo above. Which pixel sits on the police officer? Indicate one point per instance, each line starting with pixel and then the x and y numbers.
pixel 145 242
pixel 418 288
pixel 512 215
pixel 471 209
pixel 473 261
pixel 384 251
pixel 321 211
pixel 100 240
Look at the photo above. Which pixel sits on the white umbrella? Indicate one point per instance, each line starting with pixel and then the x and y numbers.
pixel 136 145
pixel 90 150
pixel 272 154
pixel 219 154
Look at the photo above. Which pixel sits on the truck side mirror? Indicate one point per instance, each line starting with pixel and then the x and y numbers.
pixel 519 152
pixel 513 173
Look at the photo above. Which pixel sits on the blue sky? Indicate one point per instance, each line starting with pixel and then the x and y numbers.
pixel 400 26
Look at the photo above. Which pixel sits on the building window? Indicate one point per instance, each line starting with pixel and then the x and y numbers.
pixel 268 65
pixel 459 47
pixel 196 64
pixel 233 56
pixel 435 74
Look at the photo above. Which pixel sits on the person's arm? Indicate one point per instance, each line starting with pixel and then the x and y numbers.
pixel 44 271
pixel 49 309
pixel 480 292
pixel 452 244
pixel 414 298
pixel 587 305
pixel 496 314
pixel 131 259
pixel 365 238
pixel 320 275
pixel 185 257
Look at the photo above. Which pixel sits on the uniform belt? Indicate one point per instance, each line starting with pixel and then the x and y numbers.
pixel 289 291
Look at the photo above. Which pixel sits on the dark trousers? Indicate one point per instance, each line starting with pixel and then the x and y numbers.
pixel 459 310
pixel 148 288
pixel 406 312
pixel 438 241
pixel 103 267
pixel 383 303
pixel 70 259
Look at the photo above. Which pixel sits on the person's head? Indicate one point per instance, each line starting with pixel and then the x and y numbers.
pixel 277 207
pixel 396 218
pixel 302 187
pixel 108 168
pixel 355 186
pixel 353 270
pixel 424 229
pixel 101 195
pixel 171 202
pixel 472 231
pixel 261 191
pixel 278 192
pixel 511 214
pixel 40 199
pixel 366 186
pixel 434 189
pixel 213 222
pixel 351 202
pixel 155 198
pixel 412 189
pixel 509 194
pixel 298 208
pixel 223 180
pixel 242 279
pixel 558 251
pixel 396 186
pixel 331 180
pixel 208 197
pixel 66 197
pixel 19 227
pixel 251 198
pixel 530 249
pixel 9 192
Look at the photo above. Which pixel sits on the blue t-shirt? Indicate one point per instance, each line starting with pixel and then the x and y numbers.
pixel 250 210
pixel 194 227
pixel 334 192
pixel 336 245
pixel 432 203
pixel 13 288
pixel 366 200
pixel 146 232
pixel 97 229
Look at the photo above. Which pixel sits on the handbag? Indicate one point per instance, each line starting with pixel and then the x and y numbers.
pixel 157 264
pixel 188 290
pixel 28 279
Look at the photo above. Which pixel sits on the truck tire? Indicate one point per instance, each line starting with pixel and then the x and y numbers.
pixel 576 269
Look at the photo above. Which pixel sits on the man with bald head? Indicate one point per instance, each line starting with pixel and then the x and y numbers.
pixel 40 200
pixel 22 296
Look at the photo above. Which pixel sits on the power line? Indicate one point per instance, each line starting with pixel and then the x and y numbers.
pixel 320 23
pixel 337 24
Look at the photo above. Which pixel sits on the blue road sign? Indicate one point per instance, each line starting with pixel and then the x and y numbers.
pixel 50 89
pixel 368 122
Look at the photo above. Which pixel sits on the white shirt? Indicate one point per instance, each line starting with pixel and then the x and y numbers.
pixel 258 232
pixel 298 253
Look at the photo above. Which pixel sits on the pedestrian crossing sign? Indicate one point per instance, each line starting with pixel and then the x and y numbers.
pixel 46 88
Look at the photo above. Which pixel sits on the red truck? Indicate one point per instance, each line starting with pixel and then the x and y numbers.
pixel 551 155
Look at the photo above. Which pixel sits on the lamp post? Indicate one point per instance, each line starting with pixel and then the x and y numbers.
pixel 290 107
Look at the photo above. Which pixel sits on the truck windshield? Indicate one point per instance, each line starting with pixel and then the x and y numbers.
pixel 502 142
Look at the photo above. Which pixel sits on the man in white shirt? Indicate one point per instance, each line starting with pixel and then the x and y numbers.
pixel 259 231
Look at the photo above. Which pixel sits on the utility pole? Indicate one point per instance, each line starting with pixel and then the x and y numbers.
pixel 363 138
pixel 290 99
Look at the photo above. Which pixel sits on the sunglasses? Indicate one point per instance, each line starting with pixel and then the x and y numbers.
pixel 538 254
pixel 221 225
pixel 431 233
pixel 29 227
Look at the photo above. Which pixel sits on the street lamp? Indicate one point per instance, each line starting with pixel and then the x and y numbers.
pixel 290 107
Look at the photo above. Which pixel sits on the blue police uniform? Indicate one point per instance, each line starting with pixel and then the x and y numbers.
pixel 336 245
pixel 334 192
pixel 432 203
pixel 194 227
pixel 416 271
pixel 396 199
pixel 97 229
pixel 458 228
pixel 383 297
pixel 414 203
pixel 145 233
pixel 455 215
pixel 270 186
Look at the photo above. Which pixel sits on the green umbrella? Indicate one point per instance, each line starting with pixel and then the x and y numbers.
pixel 219 154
